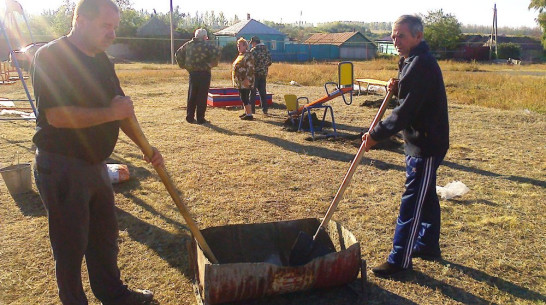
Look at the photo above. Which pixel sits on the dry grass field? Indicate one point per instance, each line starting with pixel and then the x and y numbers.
pixel 232 172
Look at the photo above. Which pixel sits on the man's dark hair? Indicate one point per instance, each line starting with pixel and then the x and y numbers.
pixel 91 8
pixel 414 23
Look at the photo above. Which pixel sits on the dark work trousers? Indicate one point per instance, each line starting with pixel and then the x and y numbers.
pixel 260 86
pixel 197 95
pixel 418 224
pixel 245 96
pixel 79 200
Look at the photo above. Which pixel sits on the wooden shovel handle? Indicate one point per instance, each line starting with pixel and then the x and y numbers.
pixel 147 149
pixel 352 168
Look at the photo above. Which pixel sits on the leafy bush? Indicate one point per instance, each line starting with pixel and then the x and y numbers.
pixel 229 52
pixel 509 50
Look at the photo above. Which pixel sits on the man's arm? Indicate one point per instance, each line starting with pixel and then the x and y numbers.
pixel 412 88
pixel 82 117
pixel 180 56
pixel 215 54
pixel 157 158
pixel 268 58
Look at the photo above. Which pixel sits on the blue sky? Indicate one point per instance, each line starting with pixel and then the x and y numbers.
pixel 511 13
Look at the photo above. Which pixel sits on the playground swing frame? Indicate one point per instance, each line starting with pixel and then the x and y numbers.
pixel 13 57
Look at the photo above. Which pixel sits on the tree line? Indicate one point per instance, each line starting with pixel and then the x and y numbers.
pixel 443 31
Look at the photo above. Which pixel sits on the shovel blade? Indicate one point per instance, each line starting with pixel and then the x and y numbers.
pixel 305 249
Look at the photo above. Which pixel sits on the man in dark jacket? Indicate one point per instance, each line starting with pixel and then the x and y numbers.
pixel 198 57
pixel 423 118
pixel 262 61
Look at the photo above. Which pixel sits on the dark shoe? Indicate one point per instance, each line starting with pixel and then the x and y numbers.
pixel 242 115
pixel 387 269
pixel 203 121
pixel 247 118
pixel 428 256
pixel 265 111
pixel 190 120
pixel 134 297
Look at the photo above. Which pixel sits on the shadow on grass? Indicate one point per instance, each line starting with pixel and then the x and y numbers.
pixel 21 143
pixel 500 284
pixel 30 204
pixel 541 183
pixel 170 247
pixel 312 150
pixel 470 202
pixel 465 297
pixel 455 293
pixel 398 148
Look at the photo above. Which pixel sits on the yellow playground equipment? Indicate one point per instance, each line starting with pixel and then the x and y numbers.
pixel 343 88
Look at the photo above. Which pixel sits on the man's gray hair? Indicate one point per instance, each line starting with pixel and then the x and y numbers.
pixel 414 23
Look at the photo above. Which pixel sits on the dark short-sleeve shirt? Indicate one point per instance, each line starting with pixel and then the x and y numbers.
pixel 64 76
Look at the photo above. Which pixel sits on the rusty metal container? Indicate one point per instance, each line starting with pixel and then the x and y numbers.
pixel 253 261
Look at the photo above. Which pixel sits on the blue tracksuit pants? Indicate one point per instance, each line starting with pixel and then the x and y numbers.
pixel 418 223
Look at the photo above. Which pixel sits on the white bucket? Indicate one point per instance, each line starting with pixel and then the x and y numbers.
pixel 17 178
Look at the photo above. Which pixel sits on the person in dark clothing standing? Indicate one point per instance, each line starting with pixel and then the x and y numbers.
pixel 198 57
pixel 81 108
pixel 262 61
pixel 423 117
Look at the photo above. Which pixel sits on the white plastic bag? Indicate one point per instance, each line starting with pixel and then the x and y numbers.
pixel 118 172
pixel 452 189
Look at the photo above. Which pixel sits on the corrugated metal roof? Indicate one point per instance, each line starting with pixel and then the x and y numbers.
pixel 386 38
pixel 248 27
pixel 331 38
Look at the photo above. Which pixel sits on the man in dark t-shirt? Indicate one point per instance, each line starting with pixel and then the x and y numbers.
pixel 81 108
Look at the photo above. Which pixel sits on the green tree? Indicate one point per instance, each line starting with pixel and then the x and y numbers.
pixel 222 21
pixel 540 6
pixel 341 27
pixel 442 32
pixel 509 50
pixel 229 52
pixel 123 4
pixel 59 21
pixel 130 21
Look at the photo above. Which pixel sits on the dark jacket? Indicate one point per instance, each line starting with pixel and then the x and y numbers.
pixel 422 110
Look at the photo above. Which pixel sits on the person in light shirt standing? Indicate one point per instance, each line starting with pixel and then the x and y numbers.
pixel 242 76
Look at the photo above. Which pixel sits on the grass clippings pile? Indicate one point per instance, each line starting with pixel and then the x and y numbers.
pixel 232 171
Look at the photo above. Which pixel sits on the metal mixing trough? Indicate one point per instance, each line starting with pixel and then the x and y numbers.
pixel 254 261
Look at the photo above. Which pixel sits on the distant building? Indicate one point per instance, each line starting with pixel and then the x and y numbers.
pixel 385 45
pixel 154 27
pixel 476 47
pixel 272 38
pixel 348 45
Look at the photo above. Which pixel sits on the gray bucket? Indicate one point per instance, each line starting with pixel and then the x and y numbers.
pixel 17 178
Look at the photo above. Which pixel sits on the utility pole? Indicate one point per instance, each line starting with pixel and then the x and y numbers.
pixel 172 35
pixel 493 38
